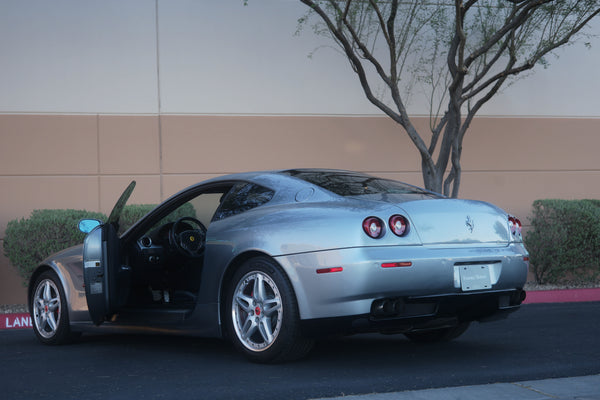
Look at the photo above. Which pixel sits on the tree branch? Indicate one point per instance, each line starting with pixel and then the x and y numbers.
pixel 400 117
pixel 515 19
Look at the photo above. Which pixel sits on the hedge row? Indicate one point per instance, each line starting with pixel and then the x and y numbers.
pixel 28 241
pixel 564 241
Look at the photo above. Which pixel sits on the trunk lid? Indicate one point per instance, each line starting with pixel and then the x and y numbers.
pixel 457 222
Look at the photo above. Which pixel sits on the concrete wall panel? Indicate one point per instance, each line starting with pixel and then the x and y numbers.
pixel 21 195
pixel 48 144
pixel 230 144
pixel 129 145
pixel 540 144
pixel 147 190
pixel 12 290
pixel 174 183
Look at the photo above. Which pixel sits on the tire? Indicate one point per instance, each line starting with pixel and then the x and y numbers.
pixel 262 315
pixel 438 335
pixel 49 311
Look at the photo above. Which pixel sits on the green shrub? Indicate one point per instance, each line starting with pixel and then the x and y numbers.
pixel 132 213
pixel 564 240
pixel 29 241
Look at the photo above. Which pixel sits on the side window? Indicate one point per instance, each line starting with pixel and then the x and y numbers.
pixel 243 197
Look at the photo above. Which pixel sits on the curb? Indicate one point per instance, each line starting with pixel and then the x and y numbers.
pixel 15 321
pixel 23 320
pixel 562 296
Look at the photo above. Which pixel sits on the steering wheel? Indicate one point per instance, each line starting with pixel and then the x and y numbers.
pixel 189 242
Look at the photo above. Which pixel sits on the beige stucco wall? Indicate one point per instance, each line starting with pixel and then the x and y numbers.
pixel 84 161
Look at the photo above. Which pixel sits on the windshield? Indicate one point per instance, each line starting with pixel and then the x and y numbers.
pixel 356 184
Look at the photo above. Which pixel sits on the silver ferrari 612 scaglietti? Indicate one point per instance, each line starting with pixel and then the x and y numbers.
pixel 273 260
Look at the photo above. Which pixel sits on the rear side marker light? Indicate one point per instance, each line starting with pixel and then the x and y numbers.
pixel 396 264
pixel 328 270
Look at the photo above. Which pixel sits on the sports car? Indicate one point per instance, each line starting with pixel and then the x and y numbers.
pixel 275 260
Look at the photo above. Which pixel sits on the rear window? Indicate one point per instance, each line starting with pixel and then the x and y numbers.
pixel 355 184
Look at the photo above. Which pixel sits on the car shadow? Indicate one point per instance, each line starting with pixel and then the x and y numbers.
pixel 357 351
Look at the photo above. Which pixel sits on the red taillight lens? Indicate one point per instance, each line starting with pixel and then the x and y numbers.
pixel 512 224
pixel 515 226
pixel 399 225
pixel 373 227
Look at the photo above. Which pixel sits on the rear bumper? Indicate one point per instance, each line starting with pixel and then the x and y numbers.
pixel 406 314
pixel 361 280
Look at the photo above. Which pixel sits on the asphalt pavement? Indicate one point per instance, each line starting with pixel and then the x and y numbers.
pixel 575 388
pixel 542 352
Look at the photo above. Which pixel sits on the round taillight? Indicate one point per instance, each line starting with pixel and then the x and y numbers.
pixel 373 227
pixel 399 225
pixel 512 224
pixel 519 226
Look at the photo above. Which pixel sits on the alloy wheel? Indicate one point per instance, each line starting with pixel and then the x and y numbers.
pixel 47 308
pixel 257 311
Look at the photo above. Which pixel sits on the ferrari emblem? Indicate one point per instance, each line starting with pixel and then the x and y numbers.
pixel 470 224
pixel 192 238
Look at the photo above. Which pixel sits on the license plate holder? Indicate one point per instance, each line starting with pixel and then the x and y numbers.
pixel 475 277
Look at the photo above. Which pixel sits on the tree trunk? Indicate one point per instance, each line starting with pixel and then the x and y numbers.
pixel 432 180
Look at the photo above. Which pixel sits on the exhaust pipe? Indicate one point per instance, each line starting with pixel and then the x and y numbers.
pixel 387 307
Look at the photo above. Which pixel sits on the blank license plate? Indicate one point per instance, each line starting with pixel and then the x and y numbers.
pixel 475 277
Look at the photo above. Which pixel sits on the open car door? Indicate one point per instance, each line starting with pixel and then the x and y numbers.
pixel 106 280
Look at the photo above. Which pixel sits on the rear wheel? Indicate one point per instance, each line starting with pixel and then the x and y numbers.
pixel 48 308
pixel 438 335
pixel 262 313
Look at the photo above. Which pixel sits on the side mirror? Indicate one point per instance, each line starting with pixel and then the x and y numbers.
pixel 88 225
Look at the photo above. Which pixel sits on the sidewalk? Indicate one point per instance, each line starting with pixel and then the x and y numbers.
pixel 580 388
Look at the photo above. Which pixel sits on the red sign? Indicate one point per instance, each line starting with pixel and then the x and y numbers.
pixel 15 321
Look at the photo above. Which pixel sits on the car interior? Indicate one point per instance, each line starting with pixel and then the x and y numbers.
pixel 166 261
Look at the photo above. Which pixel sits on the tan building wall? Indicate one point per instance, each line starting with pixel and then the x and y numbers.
pixel 84 161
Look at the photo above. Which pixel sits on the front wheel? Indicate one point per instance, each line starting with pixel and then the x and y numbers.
pixel 262 313
pixel 48 308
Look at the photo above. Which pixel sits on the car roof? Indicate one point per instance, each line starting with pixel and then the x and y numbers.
pixel 276 176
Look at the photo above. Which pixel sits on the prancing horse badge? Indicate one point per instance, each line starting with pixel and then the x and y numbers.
pixel 469 223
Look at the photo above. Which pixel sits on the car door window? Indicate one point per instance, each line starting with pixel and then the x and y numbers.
pixel 243 197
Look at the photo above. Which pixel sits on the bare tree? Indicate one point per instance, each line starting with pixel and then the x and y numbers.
pixel 464 52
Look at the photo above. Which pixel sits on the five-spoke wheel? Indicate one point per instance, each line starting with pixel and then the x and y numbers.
pixel 256 311
pixel 48 310
pixel 263 319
